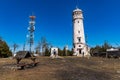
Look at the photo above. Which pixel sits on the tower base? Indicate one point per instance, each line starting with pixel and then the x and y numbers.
pixel 87 54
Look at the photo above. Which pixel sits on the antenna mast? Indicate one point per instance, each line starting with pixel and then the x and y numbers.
pixel 76 3
pixel 31 30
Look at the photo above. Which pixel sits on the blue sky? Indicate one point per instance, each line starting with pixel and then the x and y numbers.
pixel 54 20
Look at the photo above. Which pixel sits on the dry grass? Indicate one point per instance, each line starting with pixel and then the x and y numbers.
pixel 66 68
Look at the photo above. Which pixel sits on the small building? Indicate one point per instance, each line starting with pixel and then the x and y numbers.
pixel 54 52
pixel 115 53
pixel 23 54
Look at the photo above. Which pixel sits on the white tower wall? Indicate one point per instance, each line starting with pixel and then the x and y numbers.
pixel 79 45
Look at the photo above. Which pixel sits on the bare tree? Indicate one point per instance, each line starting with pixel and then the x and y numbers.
pixel 24 47
pixel 1 38
pixel 38 48
pixel 15 46
pixel 44 45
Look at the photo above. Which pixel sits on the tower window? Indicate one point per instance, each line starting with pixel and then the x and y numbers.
pixel 78 21
pixel 78 31
pixel 79 45
pixel 79 39
pixel 74 46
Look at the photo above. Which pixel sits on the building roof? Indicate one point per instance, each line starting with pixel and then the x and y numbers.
pixel 77 9
pixel 23 54
pixel 112 49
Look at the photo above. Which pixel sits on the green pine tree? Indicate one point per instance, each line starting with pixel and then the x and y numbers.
pixel 4 49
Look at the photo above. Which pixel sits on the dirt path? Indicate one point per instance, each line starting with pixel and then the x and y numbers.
pixel 67 68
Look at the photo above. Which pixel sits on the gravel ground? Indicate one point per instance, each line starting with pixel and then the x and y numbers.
pixel 65 68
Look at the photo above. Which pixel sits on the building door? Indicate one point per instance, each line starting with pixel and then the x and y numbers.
pixel 54 52
pixel 80 51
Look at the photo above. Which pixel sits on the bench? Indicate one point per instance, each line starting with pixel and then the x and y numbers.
pixel 21 66
pixel 35 64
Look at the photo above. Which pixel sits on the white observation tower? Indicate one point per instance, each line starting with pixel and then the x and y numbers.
pixel 79 45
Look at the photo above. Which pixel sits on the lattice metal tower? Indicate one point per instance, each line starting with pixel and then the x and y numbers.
pixel 31 30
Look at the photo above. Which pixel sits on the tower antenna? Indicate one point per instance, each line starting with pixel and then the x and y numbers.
pixel 31 30
pixel 76 7
pixel 76 3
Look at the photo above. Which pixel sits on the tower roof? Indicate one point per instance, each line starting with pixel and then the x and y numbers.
pixel 77 9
